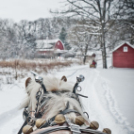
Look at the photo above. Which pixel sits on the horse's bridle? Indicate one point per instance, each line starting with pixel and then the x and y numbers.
pixel 73 94
pixel 63 112
pixel 75 129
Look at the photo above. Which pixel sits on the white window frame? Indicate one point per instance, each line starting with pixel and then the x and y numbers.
pixel 125 49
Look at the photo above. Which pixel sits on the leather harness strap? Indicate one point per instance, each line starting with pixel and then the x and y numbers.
pixel 75 129
pixel 47 131
pixel 48 123
pixel 72 127
pixel 65 111
pixel 82 130
pixel 20 131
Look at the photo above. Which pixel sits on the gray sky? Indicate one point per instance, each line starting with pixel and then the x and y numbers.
pixel 27 9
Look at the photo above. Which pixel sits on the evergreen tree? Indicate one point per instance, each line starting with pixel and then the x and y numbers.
pixel 63 35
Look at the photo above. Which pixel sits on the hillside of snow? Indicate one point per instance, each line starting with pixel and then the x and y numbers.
pixel 110 98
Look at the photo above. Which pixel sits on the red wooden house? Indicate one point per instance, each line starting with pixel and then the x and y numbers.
pixel 49 47
pixel 123 56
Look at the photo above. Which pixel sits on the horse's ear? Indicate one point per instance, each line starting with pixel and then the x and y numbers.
pixel 64 78
pixel 27 81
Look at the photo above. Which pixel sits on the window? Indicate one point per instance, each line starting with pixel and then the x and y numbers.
pixel 125 49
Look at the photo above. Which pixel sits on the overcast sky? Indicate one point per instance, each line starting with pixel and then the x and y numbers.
pixel 27 9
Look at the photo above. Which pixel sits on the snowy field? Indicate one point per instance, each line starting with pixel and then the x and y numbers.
pixel 110 98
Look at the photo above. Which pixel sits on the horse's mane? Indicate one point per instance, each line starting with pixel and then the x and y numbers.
pixel 57 101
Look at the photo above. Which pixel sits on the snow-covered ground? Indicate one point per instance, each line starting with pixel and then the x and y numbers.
pixel 110 98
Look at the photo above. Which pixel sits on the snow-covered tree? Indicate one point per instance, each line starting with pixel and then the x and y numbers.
pixel 63 35
pixel 126 16
pixel 83 37
pixel 99 12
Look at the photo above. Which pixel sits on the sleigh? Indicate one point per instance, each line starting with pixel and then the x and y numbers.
pixel 92 66
pixel 54 106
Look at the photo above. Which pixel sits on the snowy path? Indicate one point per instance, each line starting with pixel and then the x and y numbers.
pixel 10 116
pixel 101 104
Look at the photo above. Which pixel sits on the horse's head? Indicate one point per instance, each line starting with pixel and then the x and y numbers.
pixel 57 102
pixel 55 95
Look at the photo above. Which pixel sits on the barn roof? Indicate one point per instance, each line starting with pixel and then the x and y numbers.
pixel 43 44
pixel 60 51
pixel 122 45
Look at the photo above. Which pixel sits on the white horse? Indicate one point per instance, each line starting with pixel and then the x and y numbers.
pixel 57 101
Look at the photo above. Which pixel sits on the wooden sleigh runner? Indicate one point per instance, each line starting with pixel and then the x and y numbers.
pixel 53 106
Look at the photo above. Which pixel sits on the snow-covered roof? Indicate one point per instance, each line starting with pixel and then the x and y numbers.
pixel 45 43
pixel 60 51
pixel 48 41
pixel 123 44
pixel 45 49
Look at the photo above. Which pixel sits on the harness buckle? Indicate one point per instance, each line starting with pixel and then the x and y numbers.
pixel 73 127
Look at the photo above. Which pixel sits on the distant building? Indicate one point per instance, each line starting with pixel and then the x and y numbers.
pixel 48 48
pixel 123 56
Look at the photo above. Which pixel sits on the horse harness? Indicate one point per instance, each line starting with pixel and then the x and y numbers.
pixel 75 129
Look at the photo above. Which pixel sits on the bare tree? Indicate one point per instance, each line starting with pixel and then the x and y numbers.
pixel 100 12
pixel 127 20
pixel 84 37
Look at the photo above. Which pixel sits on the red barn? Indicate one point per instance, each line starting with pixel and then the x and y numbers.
pixel 48 48
pixel 59 45
pixel 123 56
